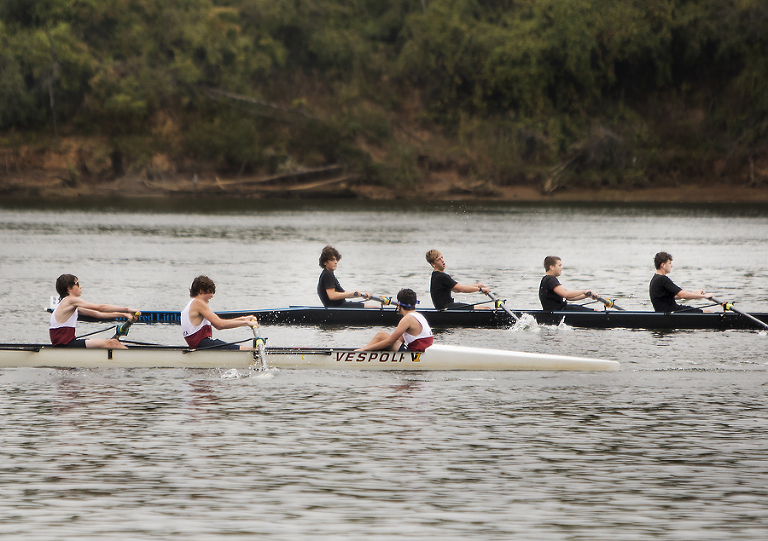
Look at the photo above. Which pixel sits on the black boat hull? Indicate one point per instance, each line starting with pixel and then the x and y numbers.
pixel 388 317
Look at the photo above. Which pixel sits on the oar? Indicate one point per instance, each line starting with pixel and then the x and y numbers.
pixel 609 303
pixel 123 328
pixel 500 304
pixel 729 306
pixel 216 346
pixel 259 345
pixel 384 300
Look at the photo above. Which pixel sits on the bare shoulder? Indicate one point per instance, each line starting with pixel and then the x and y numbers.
pixel 65 309
pixel 197 305
pixel 411 322
pixel 70 303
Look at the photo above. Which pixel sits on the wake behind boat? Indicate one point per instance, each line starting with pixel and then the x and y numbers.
pixel 437 357
pixel 387 317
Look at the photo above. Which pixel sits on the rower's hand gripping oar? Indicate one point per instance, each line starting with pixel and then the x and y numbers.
pixel 729 306
pixel 500 304
pixel 123 328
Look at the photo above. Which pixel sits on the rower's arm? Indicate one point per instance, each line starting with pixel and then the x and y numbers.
pixel 338 295
pixel 472 288
pixel 99 314
pixel 103 311
pixel 575 295
pixel 218 323
pixel 690 295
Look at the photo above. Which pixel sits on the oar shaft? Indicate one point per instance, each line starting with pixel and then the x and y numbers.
pixel 503 306
pixel 609 303
pixel 729 306
pixel 259 346
pixel 122 329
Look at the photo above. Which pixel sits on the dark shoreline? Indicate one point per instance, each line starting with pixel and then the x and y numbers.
pixel 229 204
pixel 42 187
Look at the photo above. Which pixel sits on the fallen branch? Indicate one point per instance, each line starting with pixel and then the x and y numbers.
pixel 232 95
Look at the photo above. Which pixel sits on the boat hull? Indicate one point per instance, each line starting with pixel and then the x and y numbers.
pixel 437 357
pixel 388 317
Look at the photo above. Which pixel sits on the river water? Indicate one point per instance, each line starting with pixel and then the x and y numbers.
pixel 673 446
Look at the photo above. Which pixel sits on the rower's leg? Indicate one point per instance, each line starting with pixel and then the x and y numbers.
pixel 381 335
pixel 98 343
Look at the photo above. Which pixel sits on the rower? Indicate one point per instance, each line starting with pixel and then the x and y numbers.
pixel 664 292
pixel 64 317
pixel 197 318
pixel 553 296
pixel 441 285
pixel 411 334
pixel 331 294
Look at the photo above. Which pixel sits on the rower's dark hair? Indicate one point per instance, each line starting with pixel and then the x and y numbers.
pixel 661 258
pixel 407 296
pixel 201 284
pixel 63 283
pixel 328 253
pixel 550 261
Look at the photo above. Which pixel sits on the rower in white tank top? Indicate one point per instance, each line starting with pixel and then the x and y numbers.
pixel 194 334
pixel 62 333
pixel 423 340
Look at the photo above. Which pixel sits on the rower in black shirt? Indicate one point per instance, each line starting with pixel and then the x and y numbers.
pixel 442 285
pixel 553 296
pixel 664 292
pixel 331 294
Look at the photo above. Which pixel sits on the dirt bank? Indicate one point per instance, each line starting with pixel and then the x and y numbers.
pixel 52 185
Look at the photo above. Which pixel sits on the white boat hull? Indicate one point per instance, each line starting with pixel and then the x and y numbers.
pixel 437 357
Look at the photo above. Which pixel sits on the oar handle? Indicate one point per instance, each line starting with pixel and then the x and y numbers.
pixel 500 304
pixel 383 299
pixel 123 328
pixel 609 303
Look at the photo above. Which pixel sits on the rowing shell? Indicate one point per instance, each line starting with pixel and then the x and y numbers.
pixel 437 357
pixel 388 317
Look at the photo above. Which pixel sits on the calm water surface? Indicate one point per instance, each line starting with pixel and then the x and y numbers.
pixel 671 447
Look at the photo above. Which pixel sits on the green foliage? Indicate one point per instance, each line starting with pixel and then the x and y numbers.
pixel 518 86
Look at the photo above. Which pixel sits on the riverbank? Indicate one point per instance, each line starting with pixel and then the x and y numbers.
pixel 48 186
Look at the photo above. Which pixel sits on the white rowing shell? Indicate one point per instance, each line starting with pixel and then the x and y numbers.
pixel 437 357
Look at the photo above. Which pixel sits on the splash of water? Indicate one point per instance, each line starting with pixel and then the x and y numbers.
pixel 526 322
pixel 231 374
